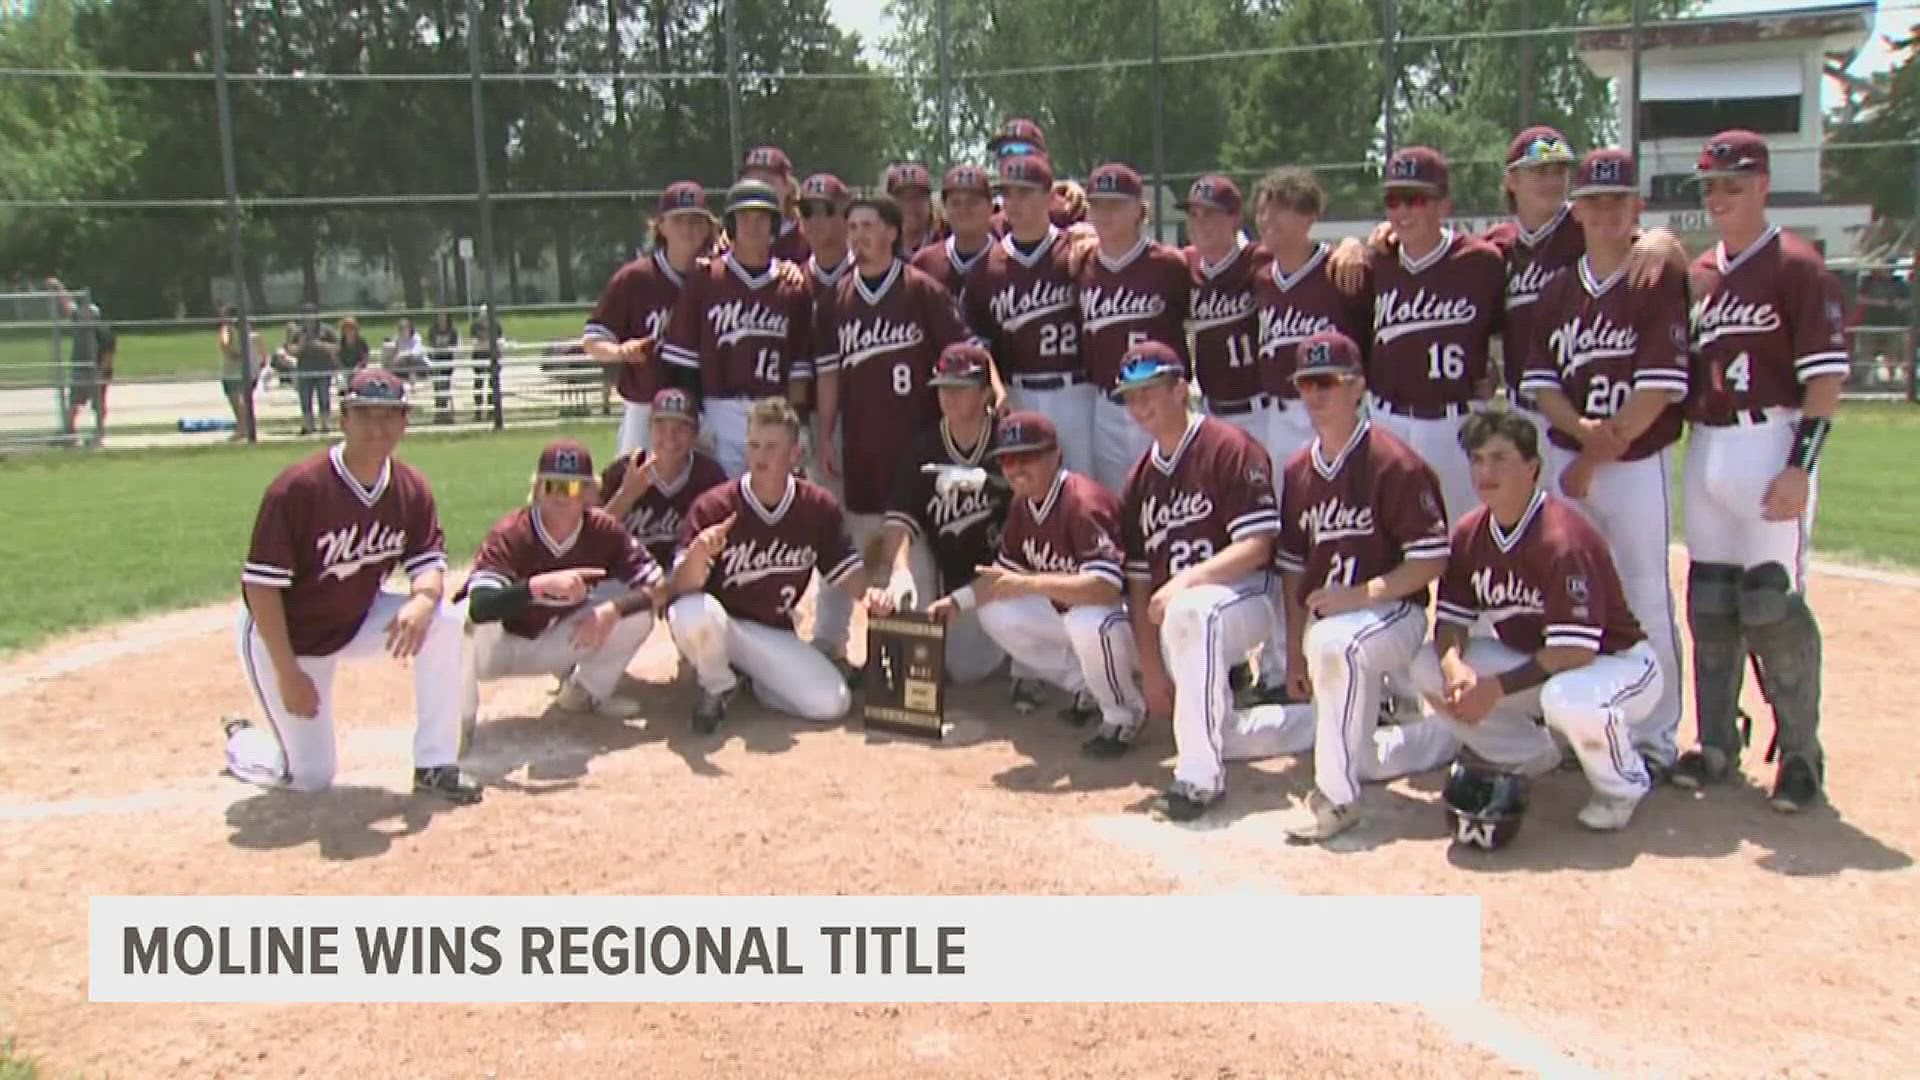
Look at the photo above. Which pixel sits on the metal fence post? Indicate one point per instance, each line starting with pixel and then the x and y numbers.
pixel 1159 125
pixel 733 85
pixel 474 23
pixel 1632 134
pixel 1390 88
pixel 1913 286
pixel 217 10
pixel 62 371
pixel 946 89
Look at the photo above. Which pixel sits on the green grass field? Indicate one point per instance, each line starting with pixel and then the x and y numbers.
pixel 106 536
pixel 192 353
pixel 100 537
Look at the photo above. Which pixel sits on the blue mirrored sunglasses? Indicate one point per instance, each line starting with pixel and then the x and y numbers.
pixel 1548 150
pixel 1142 368
pixel 1015 149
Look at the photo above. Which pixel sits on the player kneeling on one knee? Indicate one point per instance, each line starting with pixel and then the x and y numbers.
pixel 1199 519
pixel 748 551
pixel 1567 649
pixel 1051 597
pixel 538 601
pixel 330 529
pixel 946 508
pixel 1363 535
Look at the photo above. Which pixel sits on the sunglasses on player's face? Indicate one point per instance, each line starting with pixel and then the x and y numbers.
pixel 1415 199
pixel 556 485
pixel 1012 149
pixel 1318 382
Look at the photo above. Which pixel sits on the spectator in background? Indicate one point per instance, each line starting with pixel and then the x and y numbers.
pixel 404 353
pixel 443 339
pixel 354 349
pixel 90 364
pixel 316 358
pixel 235 377
pixel 486 335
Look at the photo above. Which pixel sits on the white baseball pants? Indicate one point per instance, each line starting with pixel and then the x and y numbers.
pixel 1595 707
pixel 1071 410
pixel 298 751
pixel 1089 648
pixel 1349 657
pixel 1285 429
pixel 788 675
pixel 1118 443
pixel 497 654
pixel 1623 502
pixel 1438 444
pixel 723 425
pixel 636 432
pixel 1726 476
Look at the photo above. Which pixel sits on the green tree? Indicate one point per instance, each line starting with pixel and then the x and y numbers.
pixel 1888 112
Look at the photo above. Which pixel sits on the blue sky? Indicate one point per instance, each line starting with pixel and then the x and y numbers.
pixel 869 18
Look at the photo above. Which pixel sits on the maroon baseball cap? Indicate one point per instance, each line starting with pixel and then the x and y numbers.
pixel 1606 171
pixel 1114 181
pixel 376 386
pixel 684 197
pixel 1416 167
pixel 1328 352
pixel 674 403
pixel 771 158
pixel 566 459
pixel 1216 192
pixel 961 364
pixel 1147 363
pixel 1024 433
pixel 1733 153
pixel 1016 131
pixel 1539 145
pixel 967 178
pixel 825 188
pixel 1026 170
pixel 903 175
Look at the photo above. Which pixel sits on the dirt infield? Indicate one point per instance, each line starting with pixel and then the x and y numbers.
pixel 1713 937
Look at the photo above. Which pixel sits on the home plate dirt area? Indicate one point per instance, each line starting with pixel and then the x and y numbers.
pixel 1713 937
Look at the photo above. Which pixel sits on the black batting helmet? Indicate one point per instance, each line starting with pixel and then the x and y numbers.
pixel 1485 805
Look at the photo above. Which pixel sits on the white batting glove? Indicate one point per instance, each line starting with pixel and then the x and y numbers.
pixel 951 478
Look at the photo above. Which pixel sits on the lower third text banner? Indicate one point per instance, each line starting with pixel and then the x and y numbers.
pixel 1232 948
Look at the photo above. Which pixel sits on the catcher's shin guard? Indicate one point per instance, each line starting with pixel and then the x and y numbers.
pixel 1719 653
pixel 1785 639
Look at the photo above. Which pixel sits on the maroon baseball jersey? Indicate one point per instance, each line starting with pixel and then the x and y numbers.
pixel 1221 310
pixel 771 552
pixel 1353 517
pixel 1182 509
pixel 744 331
pixel 911 246
pixel 1141 296
pixel 962 528
pixel 1764 322
pixel 1599 341
pixel 825 283
pixel 1025 304
pixel 791 245
pixel 328 543
pixel 943 262
pixel 885 341
pixel 1074 530
pixel 638 302
pixel 1534 260
pixel 1433 318
pixel 656 516
pixel 1290 308
pixel 1550 581
pixel 519 547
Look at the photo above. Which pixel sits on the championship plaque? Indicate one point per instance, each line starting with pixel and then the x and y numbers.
pixel 906 673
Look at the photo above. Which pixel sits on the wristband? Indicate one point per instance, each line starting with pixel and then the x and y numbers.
pixel 1809 438
pixel 1523 678
pixel 965 598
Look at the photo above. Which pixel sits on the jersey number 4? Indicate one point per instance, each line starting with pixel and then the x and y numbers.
pixel 1738 375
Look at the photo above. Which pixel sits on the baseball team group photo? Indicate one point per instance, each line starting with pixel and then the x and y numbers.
pixel 1024 521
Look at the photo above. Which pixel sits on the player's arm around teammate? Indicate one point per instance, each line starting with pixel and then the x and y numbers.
pixel 1567 650
pixel 1052 596
pixel 561 588
pixel 329 529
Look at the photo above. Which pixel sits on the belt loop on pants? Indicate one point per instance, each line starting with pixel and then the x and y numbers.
pixel 1058 381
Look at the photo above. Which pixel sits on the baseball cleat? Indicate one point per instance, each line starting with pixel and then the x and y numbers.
pixel 1607 813
pixel 1320 818
pixel 233 725
pixel 446 782
pixel 1083 709
pixel 1697 769
pixel 1111 742
pixel 1184 803
pixel 1796 787
pixel 711 710
pixel 1028 695
pixel 574 698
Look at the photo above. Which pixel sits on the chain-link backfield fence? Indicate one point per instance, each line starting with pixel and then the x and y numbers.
pixel 399 164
